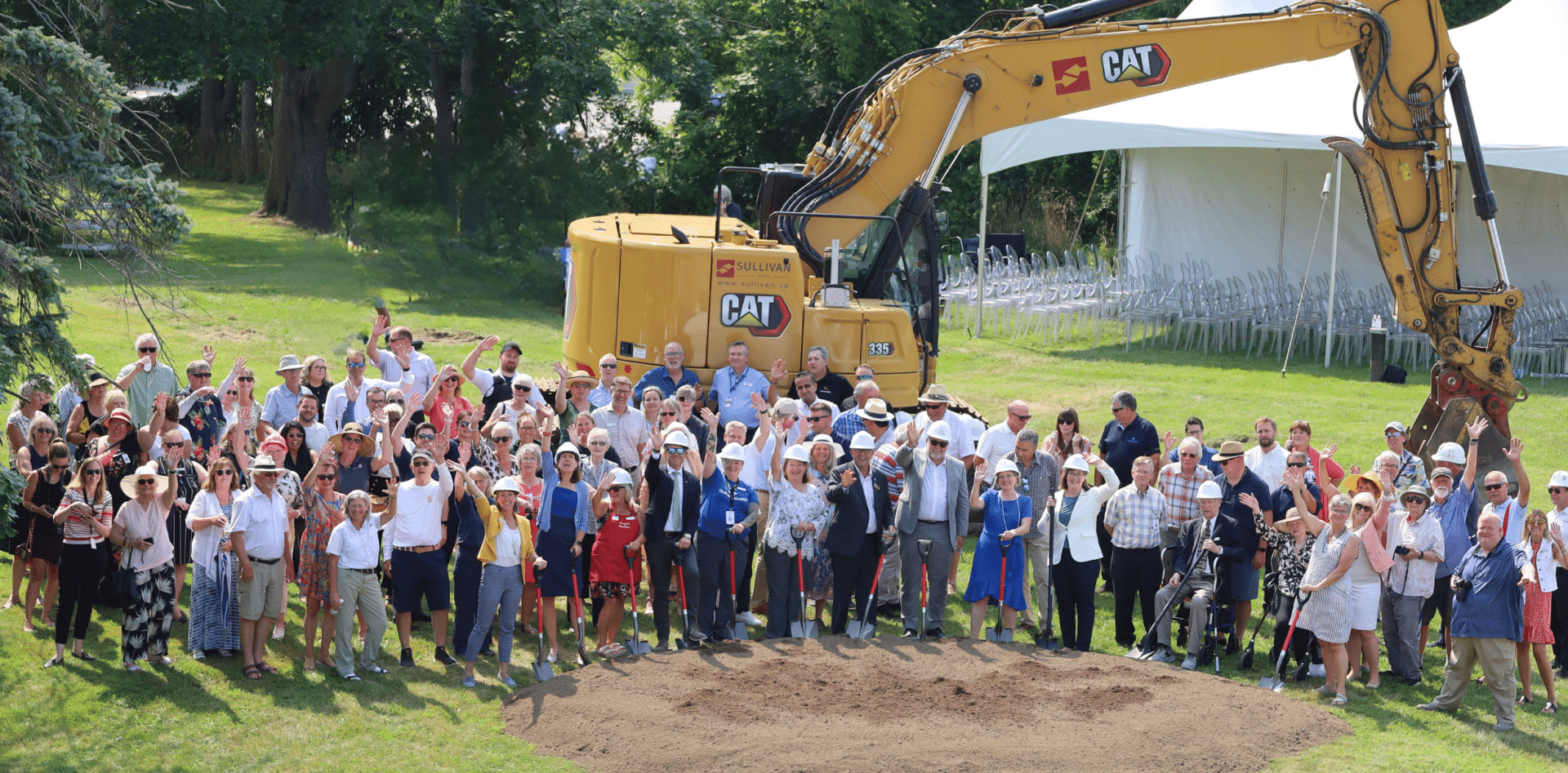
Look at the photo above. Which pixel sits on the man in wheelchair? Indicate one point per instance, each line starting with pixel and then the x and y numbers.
pixel 1193 582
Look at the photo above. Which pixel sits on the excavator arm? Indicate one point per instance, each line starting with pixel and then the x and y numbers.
pixel 887 139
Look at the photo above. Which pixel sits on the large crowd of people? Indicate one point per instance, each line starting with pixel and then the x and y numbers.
pixel 758 494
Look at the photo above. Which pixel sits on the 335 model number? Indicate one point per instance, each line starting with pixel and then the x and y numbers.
pixel 879 349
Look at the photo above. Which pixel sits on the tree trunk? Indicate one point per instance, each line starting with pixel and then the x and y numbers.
pixel 248 162
pixel 303 102
pixel 207 130
pixel 441 95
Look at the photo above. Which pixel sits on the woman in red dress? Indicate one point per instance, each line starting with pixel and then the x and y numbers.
pixel 620 533
pixel 1546 552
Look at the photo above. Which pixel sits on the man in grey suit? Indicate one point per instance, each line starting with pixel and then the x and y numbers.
pixel 933 506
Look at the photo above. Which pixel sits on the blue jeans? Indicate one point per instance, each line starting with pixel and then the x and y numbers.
pixel 501 587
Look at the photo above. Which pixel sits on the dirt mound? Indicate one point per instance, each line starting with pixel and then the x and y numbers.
pixel 890 704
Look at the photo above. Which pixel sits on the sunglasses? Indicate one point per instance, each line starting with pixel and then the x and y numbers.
pixel 43 431
pixel 1390 433
pixel 937 443
pixel 420 463
pixel 233 393
pixel 523 389
pixel 684 398
pixel 59 467
pixel 1413 500
pixel 198 375
pixel 863 378
pixel 94 471
pixel 935 406
pixel 325 476
pixel 1556 490
pixel 667 413
pixel 147 349
pixel 425 436
pixel 246 378
pixel 676 450
pixel 1494 486
pixel 597 443
pixel 265 474
pixel 1024 417
pixel 146 482
pixel 1296 464
pixel 610 366
pixel 223 472
pixel 356 366
pixel 451 379
pixel 1363 509
pixel 180 444
pixel 465 424
pixel 1118 409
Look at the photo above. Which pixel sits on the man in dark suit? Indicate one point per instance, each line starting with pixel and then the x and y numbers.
pixel 1245 510
pixel 933 506
pixel 862 519
pixel 673 508
pixel 1195 539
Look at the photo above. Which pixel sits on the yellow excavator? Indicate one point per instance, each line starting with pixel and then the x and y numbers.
pixel 844 256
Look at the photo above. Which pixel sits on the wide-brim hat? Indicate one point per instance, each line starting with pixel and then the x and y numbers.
pixel 935 393
pixel 1351 482
pixel 580 376
pixel 122 415
pixel 824 439
pixel 1415 490
pixel 286 363
pixel 366 443
pixel 1291 516
pixel 875 410
pixel 128 483
pixel 1230 449
pixel 97 380
pixel 264 463
pixel 461 379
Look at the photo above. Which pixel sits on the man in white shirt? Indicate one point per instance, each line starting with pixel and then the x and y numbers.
pixel 416 526
pixel 1002 439
pixel 1557 488
pixel 262 536
pixel 933 508
pixel 1266 459
pixel 935 402
pixel 351 393
pixel 402 364
pixel 352 553
pixel 495 387
pixel 316 433
pixel 1510 511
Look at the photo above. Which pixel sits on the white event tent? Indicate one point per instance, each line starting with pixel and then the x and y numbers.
pixel 1231 171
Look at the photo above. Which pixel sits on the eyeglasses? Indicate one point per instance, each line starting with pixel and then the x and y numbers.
pixel 1413 500
pixel 523 389
pixel 233 393
pixel 147 349
pixel 198 375
pixel 815 417
pixel 1391 433
pixel 676 450
pixel 1296 464
pixel 43 431
pixel 59 467
pixel 863 377
pixel 425 436
pixel 668 413
pixel 597 443
pixel 396 401
pixel 1556 490
pixel 356 366
pixel 420 463
pixel 684 398
pixel 376 402
pixel 937 443
pixel 351 438
pixel 326 476
pixel 935 406
pixel 609 366
pixel 1188 456
pixel 1118 408
pixel 246 378
pixel 223 472
pixel 465 425
pixel 451 379
pixel 1494 486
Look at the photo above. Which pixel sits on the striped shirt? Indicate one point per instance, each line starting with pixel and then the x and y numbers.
pixel 1136 517
pixel 77 529
pixel 885 461
pixel 1181 493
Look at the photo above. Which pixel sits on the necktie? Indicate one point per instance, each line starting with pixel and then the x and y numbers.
pixel 675 502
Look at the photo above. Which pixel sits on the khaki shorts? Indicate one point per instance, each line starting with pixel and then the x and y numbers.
pixel 263 595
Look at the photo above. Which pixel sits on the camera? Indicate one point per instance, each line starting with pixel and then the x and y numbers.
pixel 1462 589
pixel 1401 550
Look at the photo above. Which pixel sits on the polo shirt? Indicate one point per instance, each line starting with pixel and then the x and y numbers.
pixel 720 499
pixel 1453 515
pixel 660 377
pixel 263 520
pixel 733 394
pixel 1494 608
pixel 356 548
pixel 995 443
pixel 1119 445
pixel 145 387
pixel 831 387
pixel 421 369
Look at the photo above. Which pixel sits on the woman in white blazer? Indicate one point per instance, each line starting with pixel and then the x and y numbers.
pixel 1075 560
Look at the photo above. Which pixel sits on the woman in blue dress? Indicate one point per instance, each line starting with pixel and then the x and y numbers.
pixel 1007 517
pixel 564 515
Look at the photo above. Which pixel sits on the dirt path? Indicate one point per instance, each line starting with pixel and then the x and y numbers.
pixel 840 705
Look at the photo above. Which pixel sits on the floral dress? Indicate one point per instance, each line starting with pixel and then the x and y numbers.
pixel 819 563
pixel 320 518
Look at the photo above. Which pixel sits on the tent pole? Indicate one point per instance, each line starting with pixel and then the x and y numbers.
pixel 1333 263
pixel 985 197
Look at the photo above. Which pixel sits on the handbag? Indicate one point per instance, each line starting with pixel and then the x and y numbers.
pixel 123 592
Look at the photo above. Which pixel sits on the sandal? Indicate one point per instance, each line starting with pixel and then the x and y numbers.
pixel 1339 700
pixel 265 667
pixel 133 668
pixel 252 673
pixel 1524 699
pixel 310 664
pixel 1549 708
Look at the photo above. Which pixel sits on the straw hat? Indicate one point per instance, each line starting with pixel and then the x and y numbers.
pixel 875 410
pixel 935 393
pixel 1351 482
pixel 366 445
pixel 128 483
pixel 1230 449
pixel 580 376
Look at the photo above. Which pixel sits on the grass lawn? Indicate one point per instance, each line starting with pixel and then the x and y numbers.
pixel 259 290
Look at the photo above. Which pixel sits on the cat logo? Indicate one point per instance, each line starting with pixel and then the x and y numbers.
pixel 1071 75
pixel 724 268
pixel 765 315
pixel 1143 65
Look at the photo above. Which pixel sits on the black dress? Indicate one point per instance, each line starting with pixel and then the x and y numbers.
pixel 22 518
pixel 47 537
pixel 189 485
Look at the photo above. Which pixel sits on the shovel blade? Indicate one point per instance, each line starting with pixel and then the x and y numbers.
pixel 638 647
pixel 739 632
pixel 1272 683
pixel 1246 658
pixel 859 630
pixel 543 672
pixel 806 630
pixel 1138 653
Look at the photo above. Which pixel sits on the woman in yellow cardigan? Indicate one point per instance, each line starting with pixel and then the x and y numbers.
pixel 507 546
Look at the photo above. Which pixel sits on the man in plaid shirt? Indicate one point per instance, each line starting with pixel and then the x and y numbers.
pixel 1134 517
pixel 1179 482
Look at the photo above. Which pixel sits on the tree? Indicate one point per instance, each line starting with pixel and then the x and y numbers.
pixel 65 157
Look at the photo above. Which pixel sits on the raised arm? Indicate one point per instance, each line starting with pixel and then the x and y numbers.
pixel 473 357
pixel 974 492
pixel 378 328
pixel 1474 429
pixel 1515 454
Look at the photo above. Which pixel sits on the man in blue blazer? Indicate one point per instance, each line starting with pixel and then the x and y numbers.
pixel 933 506
pixel 862 518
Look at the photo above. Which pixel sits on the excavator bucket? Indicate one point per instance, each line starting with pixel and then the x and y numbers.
pixel 1444 422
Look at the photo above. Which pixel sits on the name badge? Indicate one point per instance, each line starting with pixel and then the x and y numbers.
pixel 729 403
pixel 729 517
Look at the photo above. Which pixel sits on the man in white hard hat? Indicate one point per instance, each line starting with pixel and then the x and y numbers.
pixel 934 507
pixel 863 517
pixel 1557 487
pixel 1196 541
pixel 729 509
pixel 1453 500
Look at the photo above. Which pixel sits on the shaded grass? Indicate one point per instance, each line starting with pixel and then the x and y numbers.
pixel 258 290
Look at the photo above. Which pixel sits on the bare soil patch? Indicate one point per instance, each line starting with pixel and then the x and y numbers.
pixel 431 335
pixel 891 704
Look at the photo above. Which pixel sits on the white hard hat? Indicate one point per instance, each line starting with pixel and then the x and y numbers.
pixel 1451 453
pixel 940 430
pixel 862 441
pixel 732 453
pixel 798 453
pixel 620 477
pixel 568 448
pixel 1210 490
pixel 1006 465
pixel 677 436
pixel 1076 462
pixel 1559 479
pixel 506 484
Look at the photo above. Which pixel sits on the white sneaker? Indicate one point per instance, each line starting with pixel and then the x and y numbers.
pixel 1316 671
pixel 1191 663
pixel 750 619
pixel 1163 655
